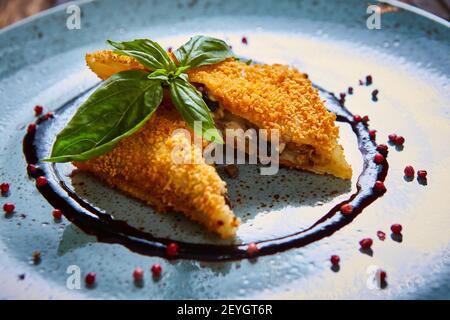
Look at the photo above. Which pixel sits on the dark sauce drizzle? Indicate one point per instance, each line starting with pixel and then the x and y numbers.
pixel 102 225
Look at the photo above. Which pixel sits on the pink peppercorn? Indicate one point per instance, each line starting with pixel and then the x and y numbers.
pixel 382 275
pixel 378 158
pixel 90 278
pixel 9 207
pixel 172 250
pixel 379 186
pixel 399 141
pixel 392 137
pixel 396 228
pixel 346 209
pixel 382 148
pixel 422 174
pixel 366 243
pixel 156 270
pixel 41 181
pixel 38 110
pixel 4 187
pixel 31 168
pixel 48 115
pixel 31 128
pixel 409 171
pixel 381 235
pixel 252 249
pixel 57 214
pixel 335 259
pixel 138 274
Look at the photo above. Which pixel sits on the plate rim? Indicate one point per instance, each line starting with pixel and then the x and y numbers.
pixel 62 6
pixel 57 9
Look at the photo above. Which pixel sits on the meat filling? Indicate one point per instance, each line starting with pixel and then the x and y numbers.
pixel 289 152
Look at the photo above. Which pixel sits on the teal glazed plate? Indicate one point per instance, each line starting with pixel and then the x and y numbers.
pixel 293 216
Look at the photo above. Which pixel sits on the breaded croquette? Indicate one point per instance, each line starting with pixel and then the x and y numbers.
pixel 267 97
pixel 257 96
pixel 142 166
pixel 279 97
pixel 106 63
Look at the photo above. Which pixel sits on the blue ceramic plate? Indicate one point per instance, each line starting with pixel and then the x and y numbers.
pixel 42 62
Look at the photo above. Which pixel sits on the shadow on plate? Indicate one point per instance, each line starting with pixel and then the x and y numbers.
pixel 269 206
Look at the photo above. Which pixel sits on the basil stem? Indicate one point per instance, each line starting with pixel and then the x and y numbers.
pixel 191 107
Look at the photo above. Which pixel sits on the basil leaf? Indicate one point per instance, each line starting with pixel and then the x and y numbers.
pixel 147 52
pixel 201 50
pixel 164 75
pixel 160 74
pixel 184 76
pixel 119 107
pixel 191 107
pixel 181 70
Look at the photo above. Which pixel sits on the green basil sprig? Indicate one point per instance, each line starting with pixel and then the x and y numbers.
pixel 147 52
pixel 118 108
pixel 123 103
pixel 201 50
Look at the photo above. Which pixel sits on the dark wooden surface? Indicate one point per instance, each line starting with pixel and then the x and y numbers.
pixel 438 7
pixel 15 10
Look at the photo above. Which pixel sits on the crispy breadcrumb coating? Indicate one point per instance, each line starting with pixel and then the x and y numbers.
pixel 278 97
pixel 106 63
pixel 268 96
pixel 142 166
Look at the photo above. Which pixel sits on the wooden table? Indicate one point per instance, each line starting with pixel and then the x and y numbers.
pixel 14 10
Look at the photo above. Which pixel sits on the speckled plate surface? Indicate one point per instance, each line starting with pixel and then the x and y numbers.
pixel 42 62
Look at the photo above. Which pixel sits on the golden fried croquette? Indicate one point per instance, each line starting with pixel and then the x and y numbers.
pixel 106 63
pixel 268 97
pixel 279 97
pixel 142 166
pixel 264 96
